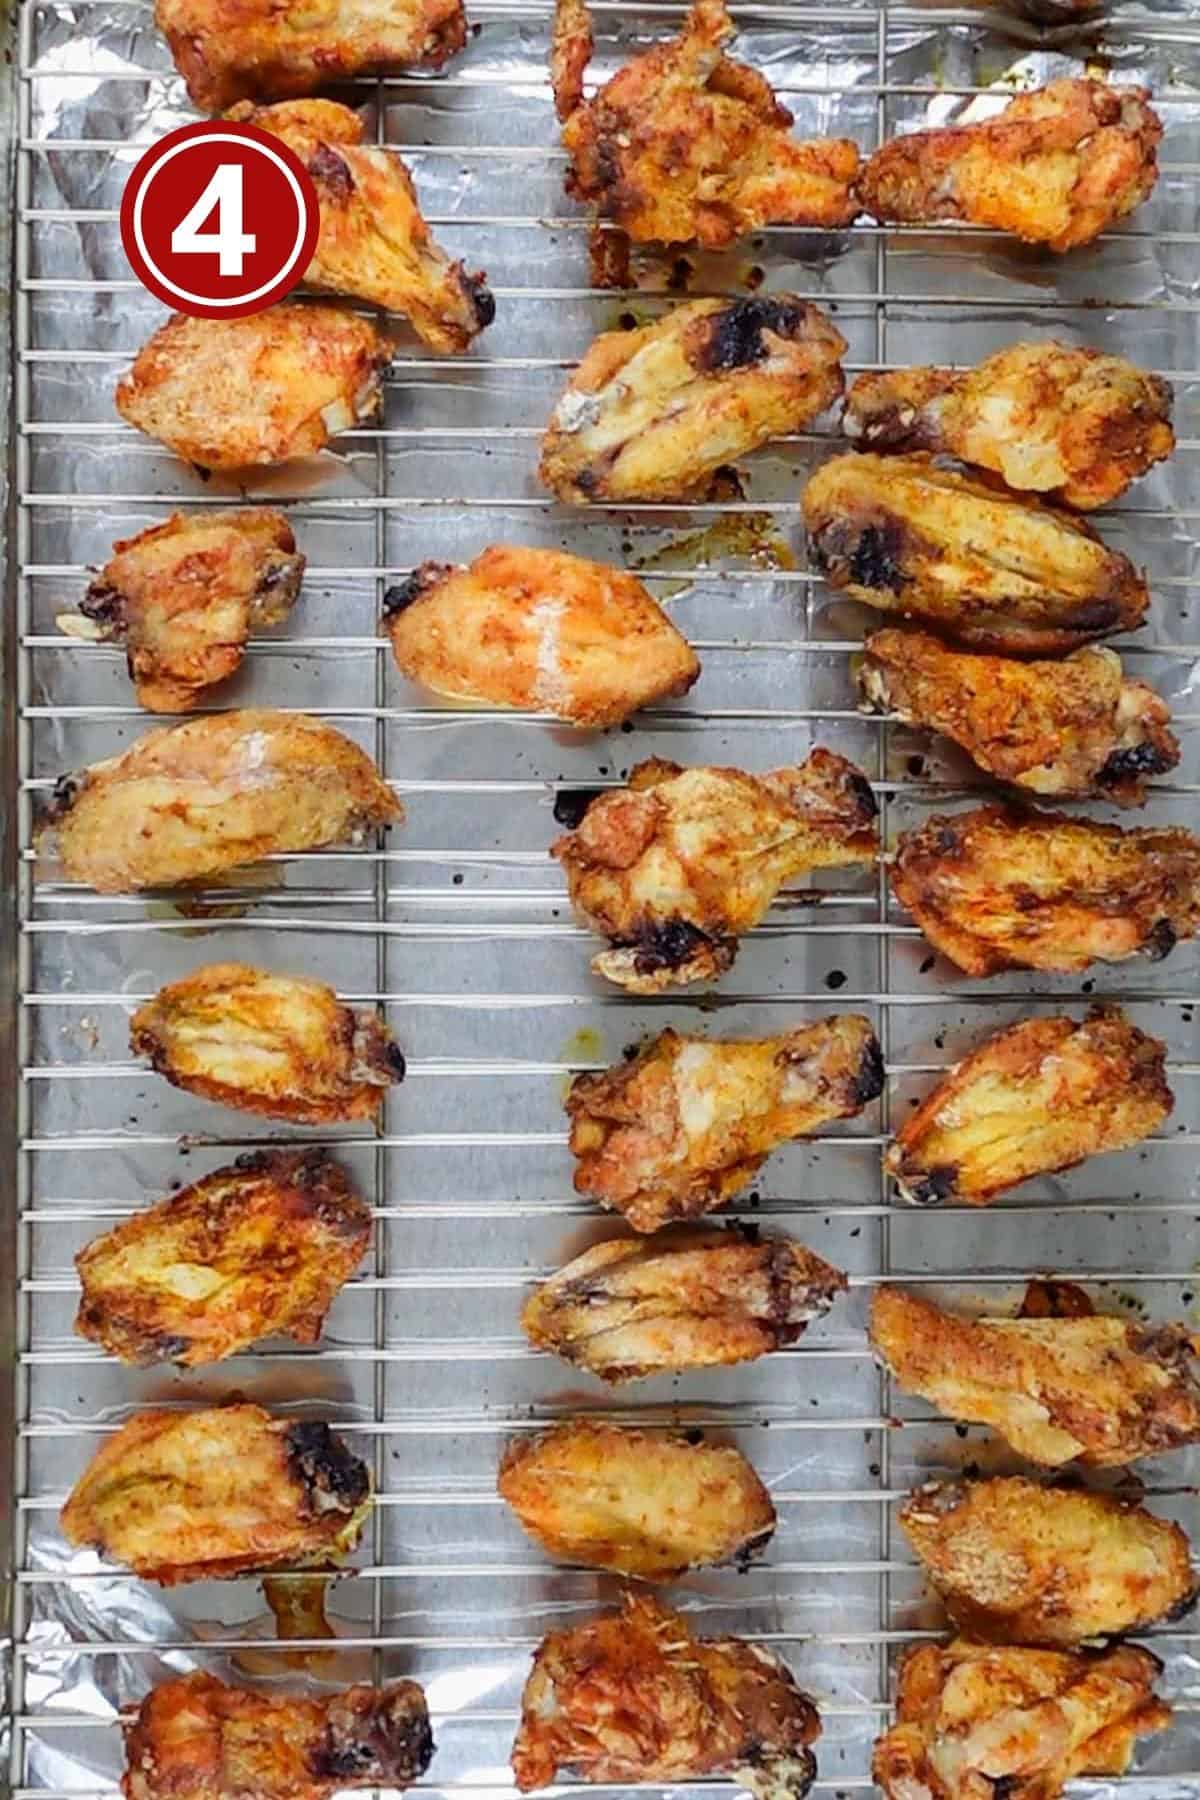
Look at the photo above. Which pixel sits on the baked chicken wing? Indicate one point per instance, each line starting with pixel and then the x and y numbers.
pixel 1057 167
pixel 643 1503
pixel 277 1045
pixel 1075 729
pixel 194 1738
pixel 541 630
pixel 684 1299
pixel 1076 425
pixel 690 1121
pixel 189 802
pixel 182 1496
pixel 1019 1563
pixel 231 393
pixel 997 571
pixel 676 866
pixel 633 1696
pixel 1100 1389
pixel 684 145
pixel 997 889
pixel 651 414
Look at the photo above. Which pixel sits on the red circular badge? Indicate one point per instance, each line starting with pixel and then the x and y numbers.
pixel 219 220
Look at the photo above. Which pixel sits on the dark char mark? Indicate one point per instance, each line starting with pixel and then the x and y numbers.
pixel 863 792
pixel 670 945
pixel 868 1083
pixel 570 804
pixel 1140 759
pixel 398 598
pixel 932 1188
pixel 1161 941
pixel 736 339
pixel 382 1738
pixel 481 298
pixel 331 1476
pixel 393 1055
pixel 104 604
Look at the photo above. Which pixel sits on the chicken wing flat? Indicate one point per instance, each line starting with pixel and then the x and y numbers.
pixel 1076 729
pixel 974 1723
pixel 1076 425
pixel 1019 1563
pixel 541 630
pixel 1057 167
pixel 684 1299
pixel 192 801
pixel 231 393
pixel 684 145
pixel 277 1045
pixel 643 1503
pixel 651 414
pixel 673 868
pixel 633 1696
pixel 197 1739
pixel 182 1496
pixel 997 889
pixel 1100 1389
pixel 1039 1096
pixel 997 571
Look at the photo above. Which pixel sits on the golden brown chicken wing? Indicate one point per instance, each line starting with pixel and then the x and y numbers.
pixel 998 889
pixel 1019 1563
pixel 1102 1389
pixel 541 630
pixel 1074 729
pixel 1076 425
pixel 633 1696
pixel 1057 167
pixel 230 393
pixel 182 1496
pixel 643 1503
pixel 684 1299
pixel 650 414
pixel 996 571
pixel 675 867
pixel 272 1044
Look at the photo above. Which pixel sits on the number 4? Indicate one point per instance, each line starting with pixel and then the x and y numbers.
pixel 224 195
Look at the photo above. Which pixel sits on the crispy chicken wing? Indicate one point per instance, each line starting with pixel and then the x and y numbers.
pixel 998 889
pixel 684 1299
pixel 1057 167
pixel 277 1045
pixel 643 1503
pixel 673 868
pixel 1019 1563
pixel 1076 425
pixel 181 1496
pixel 651 414
pixel 690 1121
pixel 1075 729
pixel 633 1696
pixel 684 145
pixel 997 571
pixel 230 393
pixel 1102 1389
pixel 541 630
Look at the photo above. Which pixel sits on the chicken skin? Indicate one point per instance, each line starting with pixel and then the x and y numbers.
pixel 975 1723
pixel 1019 1563
pixel 633 1696
pixel 193 801
pixel 194 1738
pixel 1098 1389
pixel 184 1496
pixel 1037 1097
pixel 997 889
pixel 233 393
pixel 255 1249
pixel 1057 167
pixel 1077 729
pixel 648 1504
pixel 676 866
pixel 964 557
pixel 685 1299
pixel 277 1045
pixel 539 630
pixel 651 414
pixel 684 145
pixel 1075 425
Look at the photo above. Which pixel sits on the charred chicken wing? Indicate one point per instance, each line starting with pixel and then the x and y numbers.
pixel 633 1696
pixel 541 630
